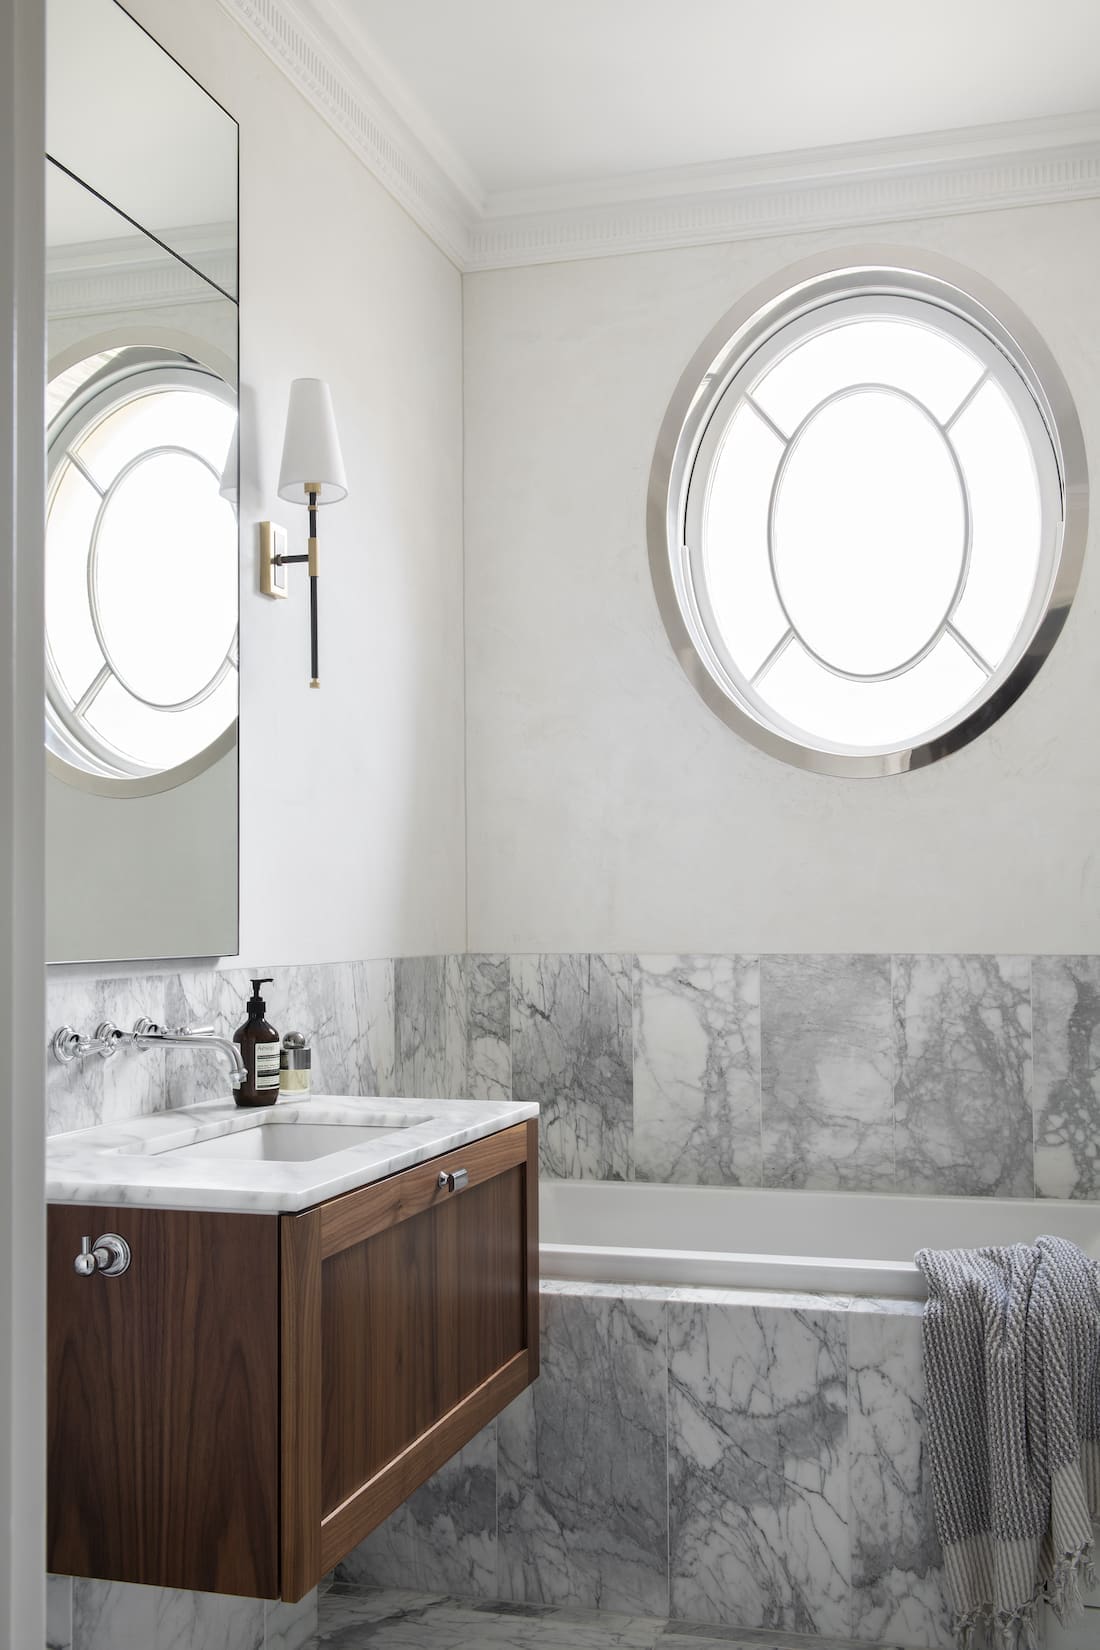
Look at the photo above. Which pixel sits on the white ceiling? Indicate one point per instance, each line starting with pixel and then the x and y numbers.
pixel 531 94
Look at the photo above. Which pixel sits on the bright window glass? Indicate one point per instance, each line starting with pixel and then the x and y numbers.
pixel 871 522
pixel 141 567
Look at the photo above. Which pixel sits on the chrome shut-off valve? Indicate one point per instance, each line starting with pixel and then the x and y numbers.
pixel 110 1254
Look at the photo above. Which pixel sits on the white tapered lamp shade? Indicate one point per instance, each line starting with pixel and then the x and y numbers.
pixel 311 447
pixel 228 485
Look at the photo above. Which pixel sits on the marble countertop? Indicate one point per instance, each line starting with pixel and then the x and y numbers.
pixel 136 1162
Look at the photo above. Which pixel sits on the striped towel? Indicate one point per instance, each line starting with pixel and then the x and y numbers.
pixel 1012 1366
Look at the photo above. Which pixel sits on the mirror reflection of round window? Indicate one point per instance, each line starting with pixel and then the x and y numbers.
pixel 141 568
pixel 867 514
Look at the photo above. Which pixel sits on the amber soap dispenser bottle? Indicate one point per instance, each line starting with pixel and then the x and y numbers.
pixel 259 1044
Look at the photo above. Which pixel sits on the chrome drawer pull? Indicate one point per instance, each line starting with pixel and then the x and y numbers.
pixel 454 1181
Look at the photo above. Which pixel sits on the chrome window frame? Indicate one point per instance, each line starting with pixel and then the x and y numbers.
pixel 966 303
pixel 74 752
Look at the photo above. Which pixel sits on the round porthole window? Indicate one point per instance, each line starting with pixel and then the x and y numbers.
pixel 141 570
pixel 867 513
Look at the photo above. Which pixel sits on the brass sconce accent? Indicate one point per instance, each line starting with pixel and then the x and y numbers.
pixel 311 448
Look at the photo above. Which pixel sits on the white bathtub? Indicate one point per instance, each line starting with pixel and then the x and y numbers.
pixel 851 1243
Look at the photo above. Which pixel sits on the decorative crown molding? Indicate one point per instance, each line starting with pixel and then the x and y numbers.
pixel 1024 163
pixel 357 110
pixel 132 272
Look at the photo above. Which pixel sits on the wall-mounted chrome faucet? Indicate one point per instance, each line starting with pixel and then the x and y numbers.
pixel 68 1045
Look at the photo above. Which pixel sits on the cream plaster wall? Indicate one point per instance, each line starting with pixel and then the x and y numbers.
pixel 609 809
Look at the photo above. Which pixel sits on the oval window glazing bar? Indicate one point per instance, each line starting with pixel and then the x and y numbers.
pixel 867 512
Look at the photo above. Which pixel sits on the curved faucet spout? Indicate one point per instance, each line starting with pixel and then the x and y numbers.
pixel 147 1034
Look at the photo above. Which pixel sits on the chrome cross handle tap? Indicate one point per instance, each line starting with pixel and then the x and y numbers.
pixel 110 1254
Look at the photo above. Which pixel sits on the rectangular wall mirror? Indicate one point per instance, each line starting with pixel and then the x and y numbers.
pixel 142 580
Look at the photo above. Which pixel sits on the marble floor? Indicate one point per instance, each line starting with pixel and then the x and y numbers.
pixel 355 1618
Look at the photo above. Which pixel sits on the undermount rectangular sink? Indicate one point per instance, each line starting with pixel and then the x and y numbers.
pixel 286 1142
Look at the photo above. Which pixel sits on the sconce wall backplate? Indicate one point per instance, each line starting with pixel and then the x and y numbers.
pixel 273 578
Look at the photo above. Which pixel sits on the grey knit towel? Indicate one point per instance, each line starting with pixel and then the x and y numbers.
pixel 1012 1368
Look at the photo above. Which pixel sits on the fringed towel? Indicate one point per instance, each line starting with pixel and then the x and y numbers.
pixel 1012 1367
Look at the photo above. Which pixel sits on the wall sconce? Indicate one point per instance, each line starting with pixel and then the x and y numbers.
pixel 312 466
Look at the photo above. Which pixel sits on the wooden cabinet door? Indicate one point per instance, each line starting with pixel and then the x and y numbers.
pixel 163 1401
pixel 410 1319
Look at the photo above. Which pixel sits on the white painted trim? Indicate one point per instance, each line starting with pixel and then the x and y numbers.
pixel 687 211
pixel 22 830
pixel 133 273
pixel 358 112
pixel 319 45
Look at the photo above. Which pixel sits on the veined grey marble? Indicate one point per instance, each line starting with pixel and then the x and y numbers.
pixel 571 1052
pixel 351 1619
pixel 88 1092
pixel 59 1613
pixel 138 1162
pixel 1067 1076
pixel 290 1626
pixel 582 1462
pixel 697 1070
pixel 444 1538
pixel 898 1587
pixel 962 1100
pixel 488 1032
pixel 430 1004
pixel 110 1616
pixel 346 1010
pixel 758 1468
pixel 826 1061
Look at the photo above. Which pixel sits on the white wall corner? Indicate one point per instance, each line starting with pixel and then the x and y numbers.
pixel 358 111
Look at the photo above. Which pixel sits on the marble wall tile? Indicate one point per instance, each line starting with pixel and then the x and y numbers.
pixel 432 1023
pixel 582 1462
pixel 200 997
pixel 962 1098
pixel 59 1613
pixel 92 1091
pixel 898 1588
pixel 758 1468
pixel 488 1034
pixel 697 1070
pixel 827 1072
pixel 108 1615
pixel 444 1538
pixel 572 1052
pixel 290 1626
pixel 347 1012
pixel 1067 1076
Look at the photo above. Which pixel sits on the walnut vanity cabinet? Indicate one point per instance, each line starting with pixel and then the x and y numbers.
pixel 258 1392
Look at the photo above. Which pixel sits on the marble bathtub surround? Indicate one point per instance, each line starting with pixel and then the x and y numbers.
pixel 697 1070
pixel 1067 1076
pixel 572 1050
pixel 582 1461
pixel 899 1593
pixel 746 1460
pixel 827 1073
pixel 963 1078
pixel 758 1467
